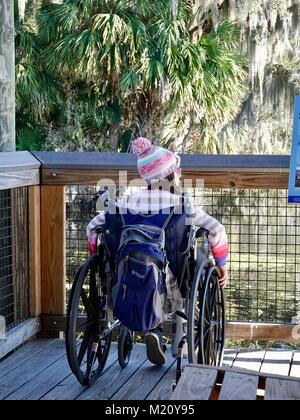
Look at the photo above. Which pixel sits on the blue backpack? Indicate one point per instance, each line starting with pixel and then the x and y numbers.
pixel 144 289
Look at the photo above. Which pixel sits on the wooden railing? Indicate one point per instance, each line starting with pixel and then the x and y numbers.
pixel 48 173
pixel 19 171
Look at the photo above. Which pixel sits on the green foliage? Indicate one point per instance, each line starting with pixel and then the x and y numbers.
pixel 104 68
pixel 29 139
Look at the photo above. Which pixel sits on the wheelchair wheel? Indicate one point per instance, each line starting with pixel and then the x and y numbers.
pixel 87 344
pixel 125 345
pixel 206 320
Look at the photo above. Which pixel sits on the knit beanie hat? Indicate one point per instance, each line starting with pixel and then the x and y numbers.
pixel 154 163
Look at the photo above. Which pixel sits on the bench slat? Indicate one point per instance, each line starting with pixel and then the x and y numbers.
pixel 196 384
pixel 280 389
pixel 239 386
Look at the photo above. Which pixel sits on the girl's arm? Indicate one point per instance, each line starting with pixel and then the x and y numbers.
pixel 218 240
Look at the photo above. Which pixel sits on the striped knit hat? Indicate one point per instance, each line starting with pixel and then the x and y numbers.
pixel 154 163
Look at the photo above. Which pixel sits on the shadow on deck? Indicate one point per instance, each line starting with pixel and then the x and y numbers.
pixel 40 370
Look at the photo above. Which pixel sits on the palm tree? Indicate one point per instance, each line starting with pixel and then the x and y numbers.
pixel 142 67
pixel 7 79
pixel 37 91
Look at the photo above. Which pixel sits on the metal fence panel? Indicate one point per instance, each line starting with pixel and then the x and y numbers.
pixel 14 264
pixel 264 237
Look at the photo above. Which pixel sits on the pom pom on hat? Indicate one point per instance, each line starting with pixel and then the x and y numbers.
pixel 141 146
pixel 154 162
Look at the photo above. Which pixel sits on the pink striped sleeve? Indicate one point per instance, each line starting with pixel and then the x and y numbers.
pixel 217 236
pixel 91 234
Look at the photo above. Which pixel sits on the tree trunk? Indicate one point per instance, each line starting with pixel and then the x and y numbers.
pixel 7 76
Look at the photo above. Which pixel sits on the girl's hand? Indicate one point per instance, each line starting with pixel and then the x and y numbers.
pixel 224 277
pixel 92 240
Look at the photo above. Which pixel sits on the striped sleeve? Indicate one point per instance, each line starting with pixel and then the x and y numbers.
pixel 97 221
pixel 217 235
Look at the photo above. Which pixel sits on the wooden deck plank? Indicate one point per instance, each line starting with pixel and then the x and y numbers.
pixel 280 389
pixel 277 362
pixel 42 383
pixel 19 335
pixel 40 370
pixel 295 369
pixel 114 379
pixel 69 389
pixel 143 381
pixel 23 354
pixel 239 387
pixel 163 390
pixel 195 384
pixel 31 368
pixel 249 360
pixel 49 378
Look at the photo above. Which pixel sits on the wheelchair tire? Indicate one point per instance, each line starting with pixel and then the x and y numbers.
pixel 125 345
pixel 206 319
pixel 86 345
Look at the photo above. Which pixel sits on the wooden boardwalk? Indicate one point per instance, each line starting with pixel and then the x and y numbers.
pixel 39 371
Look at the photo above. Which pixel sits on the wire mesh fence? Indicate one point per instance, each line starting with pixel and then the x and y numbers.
pixel 264 237
pixel 14 266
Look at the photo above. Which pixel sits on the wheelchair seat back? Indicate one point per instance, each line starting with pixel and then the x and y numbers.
pixel 177 237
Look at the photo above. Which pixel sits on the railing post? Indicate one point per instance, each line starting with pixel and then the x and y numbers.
pixel 34 204
pixel 53 261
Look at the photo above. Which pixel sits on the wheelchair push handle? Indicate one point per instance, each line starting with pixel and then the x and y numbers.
pixel 101 194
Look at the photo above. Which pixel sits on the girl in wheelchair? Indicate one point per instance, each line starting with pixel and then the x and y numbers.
pixel 160 168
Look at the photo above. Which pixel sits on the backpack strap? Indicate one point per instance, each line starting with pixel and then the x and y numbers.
pixel 169 218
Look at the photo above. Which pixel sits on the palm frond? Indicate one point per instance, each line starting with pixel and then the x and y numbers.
pixel 137 64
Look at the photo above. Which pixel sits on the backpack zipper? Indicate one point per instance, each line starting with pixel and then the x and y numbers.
pixel 138 275
pixel 126 271
pixel 124 292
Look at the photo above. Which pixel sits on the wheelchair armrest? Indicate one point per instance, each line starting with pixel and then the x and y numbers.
pixel 102 193
pixel 99 229
pixel 201 232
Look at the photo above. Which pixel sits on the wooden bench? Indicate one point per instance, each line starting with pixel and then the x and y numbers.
pixel 210 383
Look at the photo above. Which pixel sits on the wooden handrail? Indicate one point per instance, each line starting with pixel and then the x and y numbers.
pixel 18 169
pixel 87 168
pixel 54 171
pixel 217 171
pixel 191 162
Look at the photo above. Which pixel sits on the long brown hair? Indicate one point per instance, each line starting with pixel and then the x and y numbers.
pixel 166 184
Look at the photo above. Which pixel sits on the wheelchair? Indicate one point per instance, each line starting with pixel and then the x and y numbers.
pixel 91 324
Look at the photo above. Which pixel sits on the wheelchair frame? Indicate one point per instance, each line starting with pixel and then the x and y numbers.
pixel 89 316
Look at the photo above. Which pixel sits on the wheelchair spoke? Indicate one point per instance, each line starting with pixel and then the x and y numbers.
pixel 207 305
pixel 94 298
pixel 84 345
pixel 197 314
pixel 87 324
pixel 215 289
pixel 207 332
pixel 212 355
pixel 88 305
pixel 206 321
pixel 197 340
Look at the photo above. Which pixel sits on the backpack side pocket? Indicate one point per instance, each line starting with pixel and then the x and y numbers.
pixel 138 294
